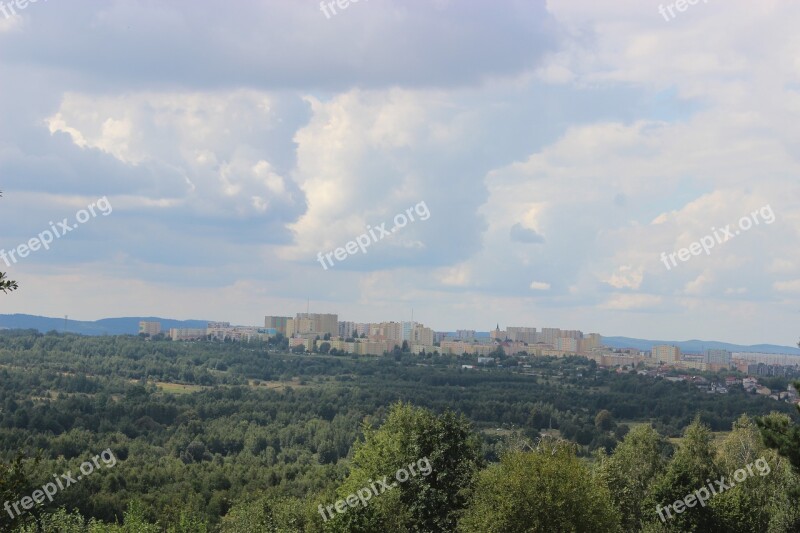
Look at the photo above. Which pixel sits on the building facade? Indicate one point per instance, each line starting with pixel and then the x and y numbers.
pixel 149 328
pixel 278 323
pixel 666 353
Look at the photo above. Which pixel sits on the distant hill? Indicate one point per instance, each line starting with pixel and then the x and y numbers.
pixel 106 326
pixel 696 346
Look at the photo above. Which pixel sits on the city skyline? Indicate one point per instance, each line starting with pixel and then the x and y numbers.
pixel 551 162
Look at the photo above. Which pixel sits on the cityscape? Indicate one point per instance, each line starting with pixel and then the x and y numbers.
pixel 324 333
pixel 390 266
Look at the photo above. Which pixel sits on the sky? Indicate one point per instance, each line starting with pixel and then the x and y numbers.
pixel 552 155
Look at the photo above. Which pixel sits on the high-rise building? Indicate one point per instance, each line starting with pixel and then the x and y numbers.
pixel 347 329
pixel 719 357
pixel 362 328
pixel 549 335
pixel 314 324
pixel 149 328
pixel 278 323
pixel 520 334
pixel 567 344
pixel 466 335
pixel 421 336
pixel 407 329
pixel 590 342
pixel 388 331
pixel 666 353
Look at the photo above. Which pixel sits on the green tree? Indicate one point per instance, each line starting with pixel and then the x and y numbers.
pixel 630 471
pixel 267 515
pixel 764 501
pixel 545 490
pixel 443 445
pixel 13 483
pixel 781 434
pixel 691 468
pixel 6 285
pixel 604 421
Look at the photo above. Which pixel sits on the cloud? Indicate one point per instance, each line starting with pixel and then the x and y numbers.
pixel 631 302
pixel 787 286
pixel 540 286
pixel 199 45
pixel 626 277
pixel 525 235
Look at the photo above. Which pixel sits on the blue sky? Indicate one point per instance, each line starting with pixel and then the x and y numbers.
pixel 560 147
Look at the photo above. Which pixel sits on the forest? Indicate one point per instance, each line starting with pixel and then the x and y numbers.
pixel 238 437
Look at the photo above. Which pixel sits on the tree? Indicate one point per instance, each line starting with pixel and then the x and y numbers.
pixel 498 352
pixel 422 503
pixel 324 348
pixel 630 471
pixel 546 489
pixel 765 500
pixel 6 285
pixel 687 471
pixel 781 434
pixel 604 421
pixel 268 515
pixel 13 482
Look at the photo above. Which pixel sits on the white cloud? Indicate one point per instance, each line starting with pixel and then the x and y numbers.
pixel 787 286
pixel 630 302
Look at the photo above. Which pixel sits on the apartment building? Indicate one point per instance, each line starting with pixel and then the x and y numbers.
pixel 718 357
pixel 312 324
pixel 520 334
pixel 278 323
pixel 460 347
pixel 590 342
pixel 387 331
pixel 347 329
pixel 466 335
pixel 666 353
pixel 422 336
pixel 549 335
pixel 567 344
pixel 149 328
pixel 187 334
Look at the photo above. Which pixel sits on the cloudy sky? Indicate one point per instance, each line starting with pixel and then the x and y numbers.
pixel 559 147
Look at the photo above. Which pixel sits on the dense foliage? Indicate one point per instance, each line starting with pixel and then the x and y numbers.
pixel 250 437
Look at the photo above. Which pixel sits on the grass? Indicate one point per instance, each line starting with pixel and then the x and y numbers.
pixel 178 388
